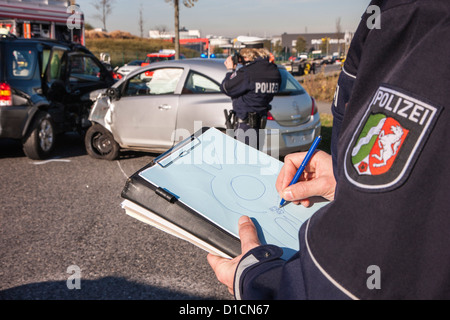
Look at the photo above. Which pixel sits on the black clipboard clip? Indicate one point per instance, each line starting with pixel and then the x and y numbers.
pixel 181 150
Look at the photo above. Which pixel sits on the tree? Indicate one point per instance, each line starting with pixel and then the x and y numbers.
pixel 277 48
pixel 141 21
pixel 300 46
pixel 161 28
pixel 339 35
pixel 88 26
pixel 104 8
pixel 188 4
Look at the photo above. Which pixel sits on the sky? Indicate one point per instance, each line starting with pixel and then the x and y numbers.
pixel 232 18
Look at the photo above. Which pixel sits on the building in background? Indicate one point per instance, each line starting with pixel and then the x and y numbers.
pixel 53 19
pixel 169 35
pixel 327 43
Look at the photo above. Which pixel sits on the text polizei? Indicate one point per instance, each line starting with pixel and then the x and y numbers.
pixel 401 105
pixel 266 87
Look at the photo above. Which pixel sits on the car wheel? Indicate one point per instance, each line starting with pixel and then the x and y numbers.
pixel 40 141
pixel 100 143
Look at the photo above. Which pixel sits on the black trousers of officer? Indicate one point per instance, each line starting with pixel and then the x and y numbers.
pixel 250 136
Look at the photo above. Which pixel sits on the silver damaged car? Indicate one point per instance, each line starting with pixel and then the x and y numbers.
pixel 156 106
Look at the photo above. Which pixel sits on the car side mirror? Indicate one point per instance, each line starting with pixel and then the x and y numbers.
pixel 113 93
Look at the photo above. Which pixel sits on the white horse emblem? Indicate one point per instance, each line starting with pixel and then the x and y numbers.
pixel 389 145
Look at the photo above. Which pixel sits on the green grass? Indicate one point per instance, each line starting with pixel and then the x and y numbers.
pixel 321 86
pixel 327 125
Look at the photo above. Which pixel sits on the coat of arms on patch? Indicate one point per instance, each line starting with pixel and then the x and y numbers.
pixel 378 145
pixel 388 140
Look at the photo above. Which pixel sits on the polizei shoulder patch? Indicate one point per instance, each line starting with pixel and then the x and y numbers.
pixel 388 140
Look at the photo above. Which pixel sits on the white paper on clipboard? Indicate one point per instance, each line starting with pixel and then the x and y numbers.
pixel 223 179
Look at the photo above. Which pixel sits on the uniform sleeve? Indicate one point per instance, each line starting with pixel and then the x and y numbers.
pixel 258 274
pixel 341 98
pixel 345 83
pixel 235 84
pixel 263 275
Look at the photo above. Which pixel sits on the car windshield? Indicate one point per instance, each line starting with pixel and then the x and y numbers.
pixel 135 63
pixel 289 85
pixel 157 59
pixel 154 82
pixel 84 69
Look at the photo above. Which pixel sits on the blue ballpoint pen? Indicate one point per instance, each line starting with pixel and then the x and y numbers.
pixel 303 165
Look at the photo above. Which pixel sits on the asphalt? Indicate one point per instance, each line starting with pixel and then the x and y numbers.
pixel 65 213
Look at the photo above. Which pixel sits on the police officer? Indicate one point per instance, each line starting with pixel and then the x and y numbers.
pixel 252 88
pixel 386 234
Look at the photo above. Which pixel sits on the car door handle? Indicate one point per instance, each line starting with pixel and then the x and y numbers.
pixel 164 107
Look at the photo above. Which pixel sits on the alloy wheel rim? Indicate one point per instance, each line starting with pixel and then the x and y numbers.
pixel 102 144
pixel 46 135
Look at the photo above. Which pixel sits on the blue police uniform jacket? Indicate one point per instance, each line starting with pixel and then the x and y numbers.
pixel 252 87
pixel 386 234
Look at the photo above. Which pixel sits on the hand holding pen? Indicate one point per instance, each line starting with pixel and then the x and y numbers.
pixel 317 178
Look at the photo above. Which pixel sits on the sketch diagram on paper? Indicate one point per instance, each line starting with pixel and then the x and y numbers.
pixel 225 186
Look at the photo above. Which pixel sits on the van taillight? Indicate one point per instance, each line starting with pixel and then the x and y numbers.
pixel 5 95
pixel 269 116
pixel 313 107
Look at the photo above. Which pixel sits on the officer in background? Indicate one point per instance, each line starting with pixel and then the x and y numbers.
pixel 252 88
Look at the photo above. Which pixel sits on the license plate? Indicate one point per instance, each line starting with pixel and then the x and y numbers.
pixel 298 138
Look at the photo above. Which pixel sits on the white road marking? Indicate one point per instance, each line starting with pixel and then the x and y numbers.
pixel 51 160
pixel 120 167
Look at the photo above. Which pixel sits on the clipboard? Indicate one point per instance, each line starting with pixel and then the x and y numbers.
pixel 200 188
